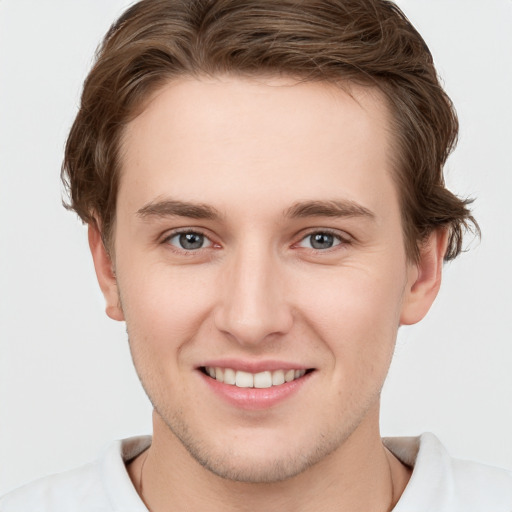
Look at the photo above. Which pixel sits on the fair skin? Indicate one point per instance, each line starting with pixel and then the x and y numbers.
pixel 258 231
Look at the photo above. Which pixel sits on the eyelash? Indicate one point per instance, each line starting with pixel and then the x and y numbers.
pixel 187 231
pixel 341 240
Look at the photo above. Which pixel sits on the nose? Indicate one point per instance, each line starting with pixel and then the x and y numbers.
pixel 253 306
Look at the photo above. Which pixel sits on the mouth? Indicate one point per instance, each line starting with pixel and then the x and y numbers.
pixel 260 380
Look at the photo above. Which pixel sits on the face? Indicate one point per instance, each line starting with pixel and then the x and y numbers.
pixel 260 267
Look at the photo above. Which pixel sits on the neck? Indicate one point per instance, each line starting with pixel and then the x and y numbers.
pixel 361 475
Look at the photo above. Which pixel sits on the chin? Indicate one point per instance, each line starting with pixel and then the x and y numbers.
pixel 256 472
pixel 254 460
pixel 256 469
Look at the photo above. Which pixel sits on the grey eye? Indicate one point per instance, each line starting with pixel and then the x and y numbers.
pixel 320 240
pixel 189 241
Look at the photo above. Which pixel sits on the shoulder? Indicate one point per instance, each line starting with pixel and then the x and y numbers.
pixel 102 486
pixel 479 485
pixel 441 483
pixel 79 489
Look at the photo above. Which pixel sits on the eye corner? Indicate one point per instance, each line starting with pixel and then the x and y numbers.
pixel 322 240
pixel 188 240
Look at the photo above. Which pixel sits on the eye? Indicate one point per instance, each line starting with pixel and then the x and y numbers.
pixel 189 241
pixel 320 240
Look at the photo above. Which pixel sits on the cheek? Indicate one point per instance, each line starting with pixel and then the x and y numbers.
pixel 163 305
pixel 353 300
pixel 356 315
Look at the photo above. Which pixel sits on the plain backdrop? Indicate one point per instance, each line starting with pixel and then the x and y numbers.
pixel 67 386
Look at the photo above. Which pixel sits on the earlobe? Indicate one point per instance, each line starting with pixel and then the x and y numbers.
pixel 424 278
pixel 105 274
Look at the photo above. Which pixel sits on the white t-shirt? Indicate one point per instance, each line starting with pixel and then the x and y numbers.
pixel 438 483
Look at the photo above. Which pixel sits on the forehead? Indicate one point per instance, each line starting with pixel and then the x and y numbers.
pixel 257 140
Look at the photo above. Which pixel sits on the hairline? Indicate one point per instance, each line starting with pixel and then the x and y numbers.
pixel 396 161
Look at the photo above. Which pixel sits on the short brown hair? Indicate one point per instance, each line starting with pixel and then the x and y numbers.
pixel 367 42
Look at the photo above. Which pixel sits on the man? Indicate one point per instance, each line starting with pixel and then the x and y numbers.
pixel 263 187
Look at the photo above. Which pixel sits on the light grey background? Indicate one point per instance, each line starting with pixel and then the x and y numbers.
pixel 67 386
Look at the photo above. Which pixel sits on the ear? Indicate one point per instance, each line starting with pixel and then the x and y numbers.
pixel 105 273
pixel 424 278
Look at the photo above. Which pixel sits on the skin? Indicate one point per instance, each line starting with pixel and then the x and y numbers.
pixel 254 152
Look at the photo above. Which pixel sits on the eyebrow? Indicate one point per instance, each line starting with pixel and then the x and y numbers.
pixel 174 208
pixel 333 208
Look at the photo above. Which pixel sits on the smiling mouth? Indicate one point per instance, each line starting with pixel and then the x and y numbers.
pixel 265 379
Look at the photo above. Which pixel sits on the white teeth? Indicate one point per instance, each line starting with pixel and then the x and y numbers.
pixel 265 379
pixel 229 376
pixel 277 377
pixel 244 380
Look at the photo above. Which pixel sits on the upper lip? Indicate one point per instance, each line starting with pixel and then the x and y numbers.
pixel 254 366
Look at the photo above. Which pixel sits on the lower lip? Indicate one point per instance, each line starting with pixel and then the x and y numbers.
pixel 255 398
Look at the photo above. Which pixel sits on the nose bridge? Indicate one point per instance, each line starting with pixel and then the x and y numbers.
pixel 254 303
